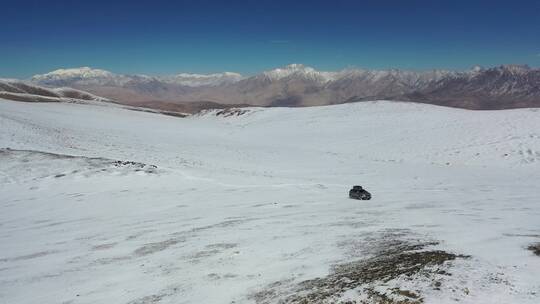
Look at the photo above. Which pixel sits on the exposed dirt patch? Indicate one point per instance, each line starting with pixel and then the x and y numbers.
pixel 535 248
pixel 221 246
pixel 29 256
pixel 120 163
pixel 287 101
pixel 148 299
pixel 158 297
pixel 151 248
pixel 103 246
pixel 394 259
pixel 231 112
pixel 177 108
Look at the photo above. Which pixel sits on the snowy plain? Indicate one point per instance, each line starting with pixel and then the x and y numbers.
pixel 242 204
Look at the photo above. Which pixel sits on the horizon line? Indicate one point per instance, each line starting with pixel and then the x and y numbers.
pixel 247 75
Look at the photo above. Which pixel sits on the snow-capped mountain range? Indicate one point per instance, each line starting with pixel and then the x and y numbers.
pixel 89 76
pixel 506 86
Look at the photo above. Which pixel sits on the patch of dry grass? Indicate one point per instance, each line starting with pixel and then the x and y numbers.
pixel 402 258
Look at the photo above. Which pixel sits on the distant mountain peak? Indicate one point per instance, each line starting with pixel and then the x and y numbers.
pixel 299 71
pixel 82 72
pixel 223 74
pixel 477 68
pixel 515 68
pixel 289 70
pixel 196 80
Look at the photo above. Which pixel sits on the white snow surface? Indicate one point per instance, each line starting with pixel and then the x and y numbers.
pixel 237 203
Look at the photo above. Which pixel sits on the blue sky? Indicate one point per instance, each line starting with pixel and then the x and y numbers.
pixel 167 37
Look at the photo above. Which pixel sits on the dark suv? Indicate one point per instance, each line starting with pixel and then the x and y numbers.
pixel 357 192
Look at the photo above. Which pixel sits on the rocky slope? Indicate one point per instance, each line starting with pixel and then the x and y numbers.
pixel 22 91
pixel 510 86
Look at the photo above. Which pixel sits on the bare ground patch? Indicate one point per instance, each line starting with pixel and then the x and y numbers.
pixel 104 246
pixel 389 259
pixel 157 297
pixel 29 256
pixel 535 248
pixel 151 248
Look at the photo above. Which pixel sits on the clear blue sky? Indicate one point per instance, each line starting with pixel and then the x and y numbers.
pixel 166 37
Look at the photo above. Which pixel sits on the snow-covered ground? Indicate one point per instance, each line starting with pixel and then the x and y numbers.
pixel 243 209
